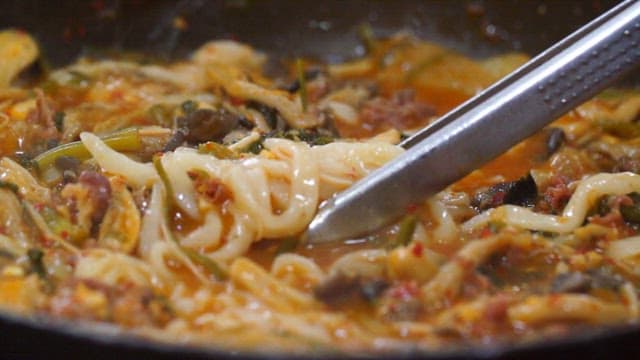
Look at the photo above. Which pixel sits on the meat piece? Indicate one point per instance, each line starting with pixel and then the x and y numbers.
pixel 401 111
pixel 38 131
pixel 401 302
pixel 612 211
pixel 475 284
pixel 80 300
pixel 12 223
pixel 44 112
pixel 556 195
pixel 133 306
pixel 99 191
pixel 126 304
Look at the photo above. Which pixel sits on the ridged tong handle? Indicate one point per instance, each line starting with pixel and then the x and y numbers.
pixel 586 73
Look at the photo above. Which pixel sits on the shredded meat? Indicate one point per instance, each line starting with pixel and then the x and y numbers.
pixel 211 189
pixel 401 111
pixel 555 196
pixel 38 131
pixel 128 305
pixel 401 302
pixel 496 309
pixel 627 163
pixel 613 218
pixel 99 191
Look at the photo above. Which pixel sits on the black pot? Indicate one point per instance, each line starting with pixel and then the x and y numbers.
pixel 321 29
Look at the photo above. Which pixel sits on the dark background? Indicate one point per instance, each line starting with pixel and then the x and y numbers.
pixel 323 29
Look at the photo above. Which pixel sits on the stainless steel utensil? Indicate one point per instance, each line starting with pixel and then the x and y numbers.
pixel 554 82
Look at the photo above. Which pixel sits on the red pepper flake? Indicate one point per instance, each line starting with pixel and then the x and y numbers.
pixel 554 299
pixel 236 101
pixel 486 232
pixel 64 234
pixel 417 250
pixel 412 208
pixel 46 242
pixel 39 207
pixel 117 95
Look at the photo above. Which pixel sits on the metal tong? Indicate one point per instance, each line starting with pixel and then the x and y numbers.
pixel 559 79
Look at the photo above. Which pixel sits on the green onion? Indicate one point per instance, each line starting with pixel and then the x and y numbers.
pixel 125 140
pixel 406 229
pixel 256 146
pixel 631 213
pixel 615 94
pixel 157 164
pixel 59 225
pixel 302 80
pixel 625 130
pixel 287 245
pixel 161 115
pixel 210 265
pixel 218 150
pixel 58 120
pixel 368 38
pixel 35 260
pixel 9 186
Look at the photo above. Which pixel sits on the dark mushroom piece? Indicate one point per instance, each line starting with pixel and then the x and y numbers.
pixel 522 192
pixel 341 290
pixel 202 125
pixel 270 114
pixel 208 125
